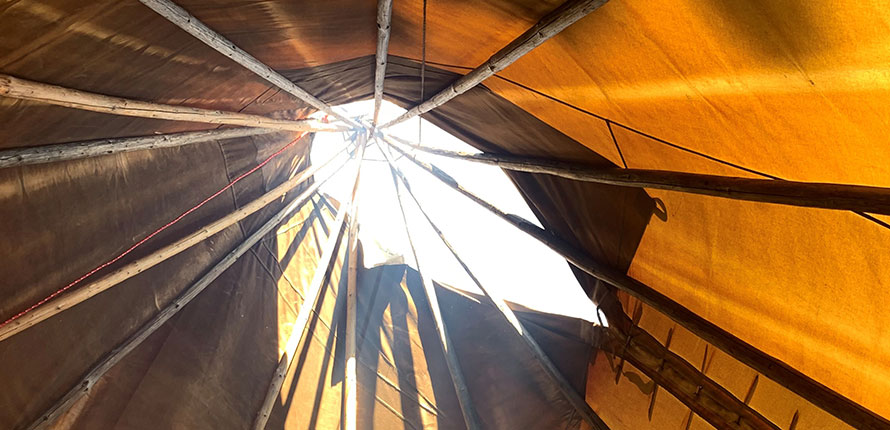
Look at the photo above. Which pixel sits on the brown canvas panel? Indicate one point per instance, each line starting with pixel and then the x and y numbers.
pixel 311 394
pixel 117 48
pixel 510 389
pixel 109 396
pixel 403 380
pixel 399 346
pixel 213 367
pixel 293 34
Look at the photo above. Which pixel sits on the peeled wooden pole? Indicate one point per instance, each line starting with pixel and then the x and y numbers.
pixel 311 297
pixel 79 295
pixel 384 21
pixel 785 375
pixel 67 97
pixel 94 148
pixel 297 336
pixel 708 399
pixel 116 355
pixel 857 198
pixel 350 380
pixel 563 16
pixel 578 402
pixel 186 21
pixel 471 419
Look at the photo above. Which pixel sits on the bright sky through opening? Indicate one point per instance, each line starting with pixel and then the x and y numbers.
pixel 501 257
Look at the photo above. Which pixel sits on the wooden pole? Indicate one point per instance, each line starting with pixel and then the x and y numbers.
pixel 855 198
pixel 790 378
pixel 116 355
pixel 184 20
pixel 35 91
pixel 325 264
pixel 704 396
pixel 384 21
pixel 350 380
pixel 550 368
pixel 297 335
pixel 94 148
pixel 471 419
pixel 75 297
pixel 563 16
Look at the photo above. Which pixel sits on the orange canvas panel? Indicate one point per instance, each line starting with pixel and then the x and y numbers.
pixel 775 403
pixel 790 89
pixel 459 32
pixel 641 152
pixel 797 283
pixel 767 85
pixel 625 405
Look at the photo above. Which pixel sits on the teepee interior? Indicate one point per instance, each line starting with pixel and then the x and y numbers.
pixel 443 214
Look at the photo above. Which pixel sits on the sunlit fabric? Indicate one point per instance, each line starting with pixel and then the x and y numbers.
pixel 760 89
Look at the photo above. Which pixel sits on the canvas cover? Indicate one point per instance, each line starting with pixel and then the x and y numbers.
pixel 783 89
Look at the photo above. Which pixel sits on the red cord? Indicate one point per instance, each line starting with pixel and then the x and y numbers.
pixel 153 234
